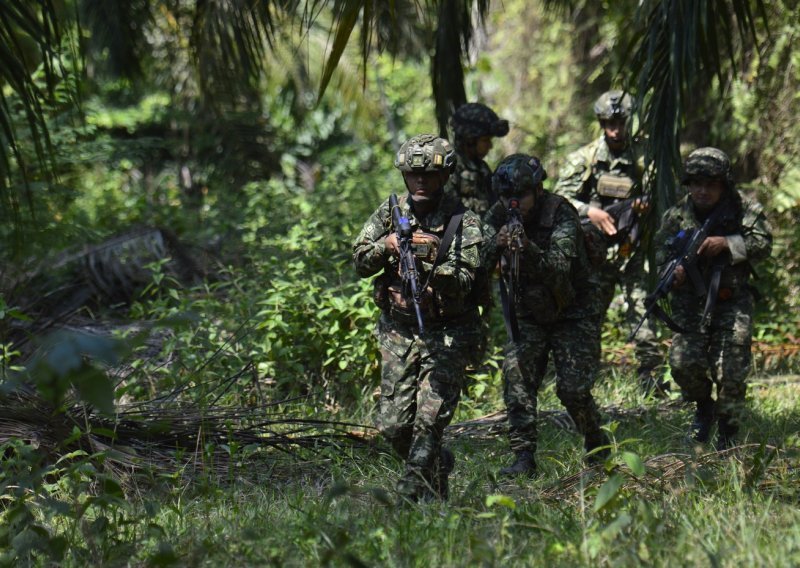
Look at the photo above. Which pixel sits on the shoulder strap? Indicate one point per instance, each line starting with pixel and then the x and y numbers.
pixel 447 239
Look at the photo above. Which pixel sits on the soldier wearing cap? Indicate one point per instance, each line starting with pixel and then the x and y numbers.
pixel 715 352
pixel 474 125
pixel 422 373
pixel 603 173
pixel 555 313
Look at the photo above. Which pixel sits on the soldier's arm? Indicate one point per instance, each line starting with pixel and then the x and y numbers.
pixel 369 249
pixel 492 221
pixel 572 181
pixel 754 242
pixel 455 275
pixel 555 263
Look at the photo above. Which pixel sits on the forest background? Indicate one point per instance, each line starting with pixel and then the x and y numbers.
pixel 187 356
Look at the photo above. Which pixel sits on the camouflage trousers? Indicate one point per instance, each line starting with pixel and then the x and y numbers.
pixel 717 356
pixel 630 275
pixel 421 382
pixel 575 345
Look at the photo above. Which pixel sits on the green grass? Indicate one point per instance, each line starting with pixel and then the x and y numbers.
pixel 690 507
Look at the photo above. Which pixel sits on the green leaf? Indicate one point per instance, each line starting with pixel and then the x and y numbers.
pixel 96 389
pixel 634 462
pixel 607 492
pixel 502 500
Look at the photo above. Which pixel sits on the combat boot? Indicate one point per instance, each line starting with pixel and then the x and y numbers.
pixel 524 465
pixel 596 439
pixel 447 462
pixel 726 434
pixel 700 430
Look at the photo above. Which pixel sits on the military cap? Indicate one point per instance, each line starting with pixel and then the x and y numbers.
pixel 473 120
pixel 709 163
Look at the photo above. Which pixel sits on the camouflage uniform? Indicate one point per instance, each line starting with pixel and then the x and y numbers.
pixel 596 176
pixel 557 313
pixel 719 354
pixel 472 180
pixel 422 375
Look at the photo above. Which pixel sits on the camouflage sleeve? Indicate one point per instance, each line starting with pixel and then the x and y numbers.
pixel 572 180
pixel 369 250
pixel 492 221
pixel 555 263
pixel 670 225
pixel 754 243
pixel 455 275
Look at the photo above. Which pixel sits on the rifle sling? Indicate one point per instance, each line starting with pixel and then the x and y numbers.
pixel 668 321
pixel 713 292
pixel 447 240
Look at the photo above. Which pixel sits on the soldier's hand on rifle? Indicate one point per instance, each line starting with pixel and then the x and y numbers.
pixel 713 246
pixel 680 276
pixel 505 238
pixel 391 244
pixel 602 220
pixel 640 206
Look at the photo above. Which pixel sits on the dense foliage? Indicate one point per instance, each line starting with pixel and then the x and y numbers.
pixel 255 307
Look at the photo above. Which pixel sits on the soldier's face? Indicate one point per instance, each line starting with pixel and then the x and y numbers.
pixel 424 186
pixel 482 146
pixel 616 132
pixel 705 193
pixel 526 202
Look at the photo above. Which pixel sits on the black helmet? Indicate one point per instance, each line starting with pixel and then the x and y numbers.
pixel 473 120
pixel 516 174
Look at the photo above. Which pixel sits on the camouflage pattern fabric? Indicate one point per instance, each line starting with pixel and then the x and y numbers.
pixel 720 354
pixel 576 352
pixel 578 183
pixel 422 376
pixel 472 183
pixel 558 314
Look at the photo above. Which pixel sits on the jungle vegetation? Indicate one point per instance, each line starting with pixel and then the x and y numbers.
pixel 187 364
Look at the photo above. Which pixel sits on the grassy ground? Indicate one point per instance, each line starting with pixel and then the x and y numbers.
pixel 658 501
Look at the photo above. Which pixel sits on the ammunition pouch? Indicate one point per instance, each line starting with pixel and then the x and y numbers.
pixel 614 186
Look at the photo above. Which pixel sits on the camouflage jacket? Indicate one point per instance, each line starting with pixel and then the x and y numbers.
pixel 594 176
pixel 472 182
pixel 452 279
pixel 556 278
pixel 749 240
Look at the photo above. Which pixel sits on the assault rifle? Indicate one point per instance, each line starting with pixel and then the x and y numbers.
pixel 408 264
pixel 687 244
pixel 509 291
pixel 627 220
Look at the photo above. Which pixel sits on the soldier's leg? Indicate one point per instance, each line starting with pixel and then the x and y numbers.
pixel 689 360
pixel 522 376
pixel 440 381
pixel 730 353
pixel 397 406
pixel 576 352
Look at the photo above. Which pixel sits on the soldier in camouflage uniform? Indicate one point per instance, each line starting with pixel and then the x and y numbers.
pixel 600 174
pixel 555 304
pixel 474 125
pixel 422 374
pixel 718 353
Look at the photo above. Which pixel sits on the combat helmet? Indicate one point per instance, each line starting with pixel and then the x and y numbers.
pixel 516 174
pixel 425 153
pixel 613 104
pixel 708 163
pixel 473 120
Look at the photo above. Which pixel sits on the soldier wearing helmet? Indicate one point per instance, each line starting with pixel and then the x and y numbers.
pixel 554 307
pixel 422 373
pixel 474 125
pixel 716 353
pixel 607 173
